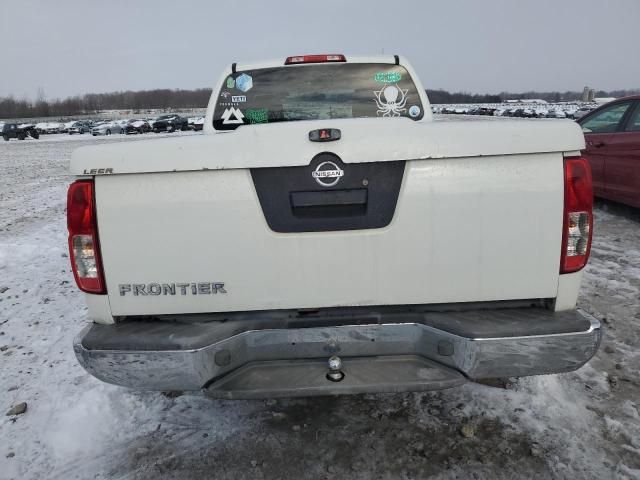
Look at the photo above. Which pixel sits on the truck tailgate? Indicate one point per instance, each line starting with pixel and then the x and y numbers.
pixel 462 229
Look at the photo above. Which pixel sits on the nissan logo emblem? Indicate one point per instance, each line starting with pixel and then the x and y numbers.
pixel 327 174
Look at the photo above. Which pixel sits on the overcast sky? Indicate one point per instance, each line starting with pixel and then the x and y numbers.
pixel 71 47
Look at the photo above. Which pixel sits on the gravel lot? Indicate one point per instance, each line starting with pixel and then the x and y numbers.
pixel 584 424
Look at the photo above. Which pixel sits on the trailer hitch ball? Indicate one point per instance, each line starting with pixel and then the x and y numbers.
pixel 335 373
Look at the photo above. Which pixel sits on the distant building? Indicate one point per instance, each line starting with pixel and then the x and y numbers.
pixel 588 94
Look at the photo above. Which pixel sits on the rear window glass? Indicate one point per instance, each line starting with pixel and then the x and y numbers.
pixel 316 92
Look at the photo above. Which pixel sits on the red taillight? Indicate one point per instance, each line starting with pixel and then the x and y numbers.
pixel 84 247
pixel 314 59
pixel 578 216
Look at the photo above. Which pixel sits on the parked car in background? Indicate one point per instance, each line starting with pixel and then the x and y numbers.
pixel 49 127
pixel 522 113
pixel 486 111
pixel 612 134
pixel 196 123
pixel 79 127
pixel 137 126
pixel 553 113
pixel 170 123
pixel 581 112
pixel 13 130
pixel 106 128
pixel 570 113
pixel 122 123
pixel 524 109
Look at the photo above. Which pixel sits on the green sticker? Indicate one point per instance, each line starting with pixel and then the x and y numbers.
pixel 387 77
pixel 231 82
pixel 257 115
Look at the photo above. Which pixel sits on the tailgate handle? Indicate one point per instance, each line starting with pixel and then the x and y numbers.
pixel 329 203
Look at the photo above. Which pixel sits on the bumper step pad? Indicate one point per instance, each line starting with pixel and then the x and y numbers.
pixel 302 378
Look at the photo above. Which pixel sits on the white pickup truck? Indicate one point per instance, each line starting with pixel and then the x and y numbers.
pixel 325 235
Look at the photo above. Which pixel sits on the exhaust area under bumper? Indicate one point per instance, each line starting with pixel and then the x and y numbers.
pixel 285 354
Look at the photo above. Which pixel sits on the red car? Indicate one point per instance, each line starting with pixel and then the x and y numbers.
pixel 612 134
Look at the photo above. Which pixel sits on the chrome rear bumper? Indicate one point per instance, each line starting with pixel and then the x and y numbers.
pixel 233 358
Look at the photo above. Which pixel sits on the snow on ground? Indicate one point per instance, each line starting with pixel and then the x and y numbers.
pixel 579 425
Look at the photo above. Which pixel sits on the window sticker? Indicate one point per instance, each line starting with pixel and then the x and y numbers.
pixel 257 115
pixel 387 77
pixel 225 94
pixel 244 82
pixel 414 111
pixel 231 83
pixel 391 101
pixel 232 116
pixel 238 98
